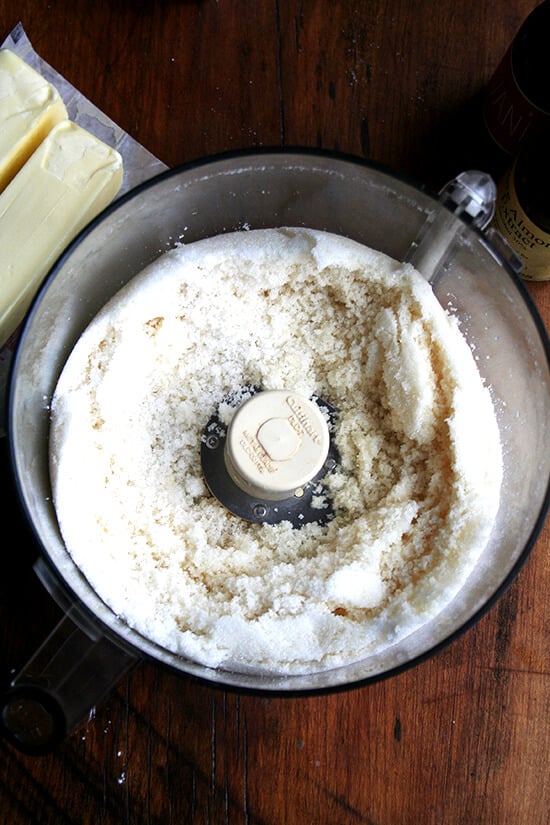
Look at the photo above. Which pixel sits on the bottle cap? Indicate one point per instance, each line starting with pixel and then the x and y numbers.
pixel 276 443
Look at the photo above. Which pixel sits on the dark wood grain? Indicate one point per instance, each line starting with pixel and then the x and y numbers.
pixel 463 738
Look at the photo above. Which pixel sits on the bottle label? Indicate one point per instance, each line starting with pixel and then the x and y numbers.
pixel 508 114
pixel 530 241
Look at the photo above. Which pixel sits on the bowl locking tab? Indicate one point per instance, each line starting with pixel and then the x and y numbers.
pixel 471 197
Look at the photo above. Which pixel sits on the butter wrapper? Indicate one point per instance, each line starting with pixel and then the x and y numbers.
pixel 139 164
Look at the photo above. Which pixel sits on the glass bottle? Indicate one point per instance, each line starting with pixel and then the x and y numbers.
pixel 516 101
pixel 522 214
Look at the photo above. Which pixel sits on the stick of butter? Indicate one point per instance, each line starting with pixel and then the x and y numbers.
pixel 65 183
pixel 29 108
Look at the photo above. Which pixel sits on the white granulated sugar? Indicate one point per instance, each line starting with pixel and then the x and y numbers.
pixel 415 493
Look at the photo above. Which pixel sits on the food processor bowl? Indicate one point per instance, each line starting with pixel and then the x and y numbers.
pixel 272 188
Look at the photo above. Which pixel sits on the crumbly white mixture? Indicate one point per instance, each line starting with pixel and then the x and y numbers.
pixel 415 495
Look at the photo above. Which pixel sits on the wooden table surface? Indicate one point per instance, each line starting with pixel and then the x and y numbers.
pixel 463 738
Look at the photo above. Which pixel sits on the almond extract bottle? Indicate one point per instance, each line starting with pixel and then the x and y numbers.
pixel 522 213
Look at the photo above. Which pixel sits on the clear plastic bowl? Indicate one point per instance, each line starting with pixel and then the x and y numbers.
pixel 291 188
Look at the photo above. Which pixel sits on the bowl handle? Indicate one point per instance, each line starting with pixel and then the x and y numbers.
pixel 72 671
